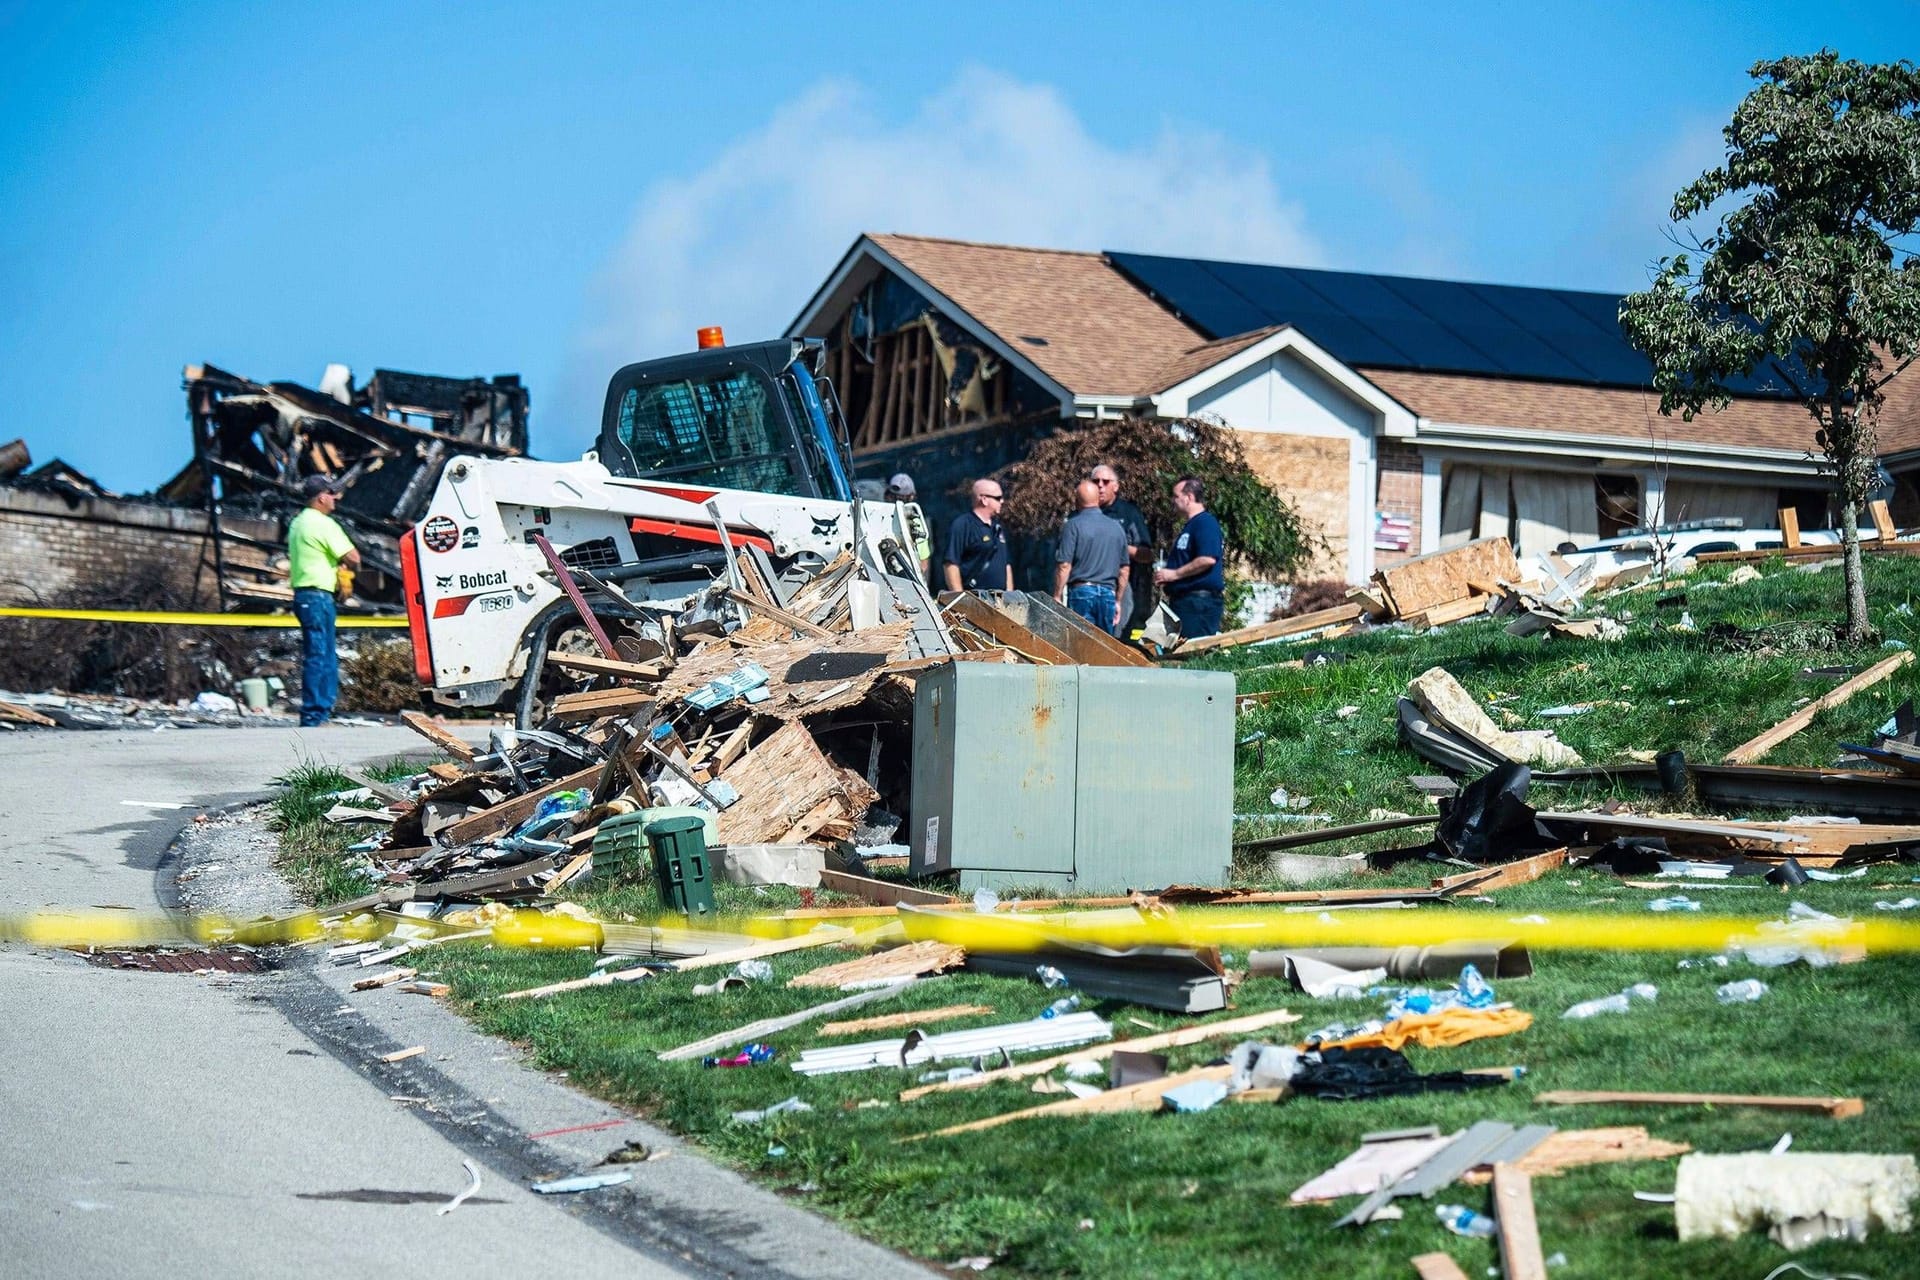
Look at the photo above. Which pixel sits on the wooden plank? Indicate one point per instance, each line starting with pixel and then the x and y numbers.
pixel 511 813
pixel 1437 1266
pixel 383 791
pixel 1139 1097
pixel 1883 520
pixel 915 960
pixel 768 609
pixel 882 893
pixel 446 771
pixel 782 783
pixel 1790 526
pixel 595 703
pixel 401 1055
pixel 386 979
pixel 14 711
pixel 1441 614
pixel 1578 1148
pixel 1520 1254
pixel 761 950
pixel 735 743
pixel 1441 577
pixel 783 1022
pixel 1807 550
pixel 1506 875
pixel 1180 1038
pixel 1325 835
pixel 1834 1108
pixel 436 733
pixel 597 666
pixel 913 1018
pixel 976 612
pixel 1297 625
pixel 1754 748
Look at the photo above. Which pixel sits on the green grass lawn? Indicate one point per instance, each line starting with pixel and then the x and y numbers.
pixel 1206 1195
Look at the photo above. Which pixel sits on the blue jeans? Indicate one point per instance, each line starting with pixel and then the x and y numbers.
pixel 319 664
pixel 1199 613
pixel 1093 602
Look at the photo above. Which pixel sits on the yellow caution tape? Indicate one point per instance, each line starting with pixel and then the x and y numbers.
pixel 172 619
pixel 1226 927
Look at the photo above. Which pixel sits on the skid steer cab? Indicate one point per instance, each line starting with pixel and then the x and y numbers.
pixel 702 458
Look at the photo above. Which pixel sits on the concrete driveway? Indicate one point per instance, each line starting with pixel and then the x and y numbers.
pixel 159 1124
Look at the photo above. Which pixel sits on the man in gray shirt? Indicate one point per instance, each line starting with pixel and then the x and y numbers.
pixel 1091 560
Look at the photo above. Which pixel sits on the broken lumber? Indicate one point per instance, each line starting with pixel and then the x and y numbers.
pixel 1135 1097
pixel 1754 748
pixel 1520 1254
pixel 914 960
pixel 594 703
pixel 26 715
pixel 386 979
pixel 761 950
pixel 882 893
pixel 1577 1148
pixel 510 813
pixel 1002 630
pixel 1141 1044
pixel 1437 1266
pixel 597 666
pixel 1833 1108
pixel 1506 875
pixel 1442 577
pixel 1325 835
pixel 1883 520
pixel 1299 624
pixel 792 784
pixel 768 609
pixel 436 733
pixel 784 1022
pixel 920 1018
pixel 1454 611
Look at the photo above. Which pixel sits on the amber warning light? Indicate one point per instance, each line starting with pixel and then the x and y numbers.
pixel 710 337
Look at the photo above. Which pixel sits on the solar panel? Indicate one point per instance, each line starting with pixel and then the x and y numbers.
pixel 1400 322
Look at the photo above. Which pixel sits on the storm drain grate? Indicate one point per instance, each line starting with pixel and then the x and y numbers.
pixel 162 960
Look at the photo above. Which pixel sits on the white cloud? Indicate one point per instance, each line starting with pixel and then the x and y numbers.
pixel 743 242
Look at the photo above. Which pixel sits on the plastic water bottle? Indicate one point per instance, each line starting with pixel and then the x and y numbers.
pixel 1463 1221
pixel 1050 977
pixel 1066 1004
pixel 1475 991
pixel 1745 991
pixel 1616 1003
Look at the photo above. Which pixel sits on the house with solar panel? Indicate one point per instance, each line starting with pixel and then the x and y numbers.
pixel 1399 415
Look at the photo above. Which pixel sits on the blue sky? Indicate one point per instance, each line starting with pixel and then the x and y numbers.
pixel 553 190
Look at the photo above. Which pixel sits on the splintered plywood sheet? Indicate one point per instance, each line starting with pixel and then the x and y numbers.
pixel 786 781
pixel 911 961
pixel 809 676
pixel 1441 577
pixel 1577 1148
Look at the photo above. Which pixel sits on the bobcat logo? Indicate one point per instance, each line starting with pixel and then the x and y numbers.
pixel 442 581
pixel 823 526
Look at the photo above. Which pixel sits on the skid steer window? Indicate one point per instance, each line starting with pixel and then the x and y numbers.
pixel 727 430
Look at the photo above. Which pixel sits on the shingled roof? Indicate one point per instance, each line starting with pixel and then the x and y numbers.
pixel 1088 326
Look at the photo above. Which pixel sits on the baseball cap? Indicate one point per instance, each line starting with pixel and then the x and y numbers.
pixel 901 483
pixel 313 486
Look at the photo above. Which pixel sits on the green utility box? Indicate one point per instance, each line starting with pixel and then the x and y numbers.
pixel 1097 779
pixel 680 867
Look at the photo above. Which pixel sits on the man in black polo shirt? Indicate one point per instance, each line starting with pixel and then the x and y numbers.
pixel 975 556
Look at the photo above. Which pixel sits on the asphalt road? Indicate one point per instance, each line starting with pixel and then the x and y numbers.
pixel 156 1124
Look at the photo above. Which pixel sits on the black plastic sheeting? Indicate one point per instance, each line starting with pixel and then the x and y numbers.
pixel 1345 1075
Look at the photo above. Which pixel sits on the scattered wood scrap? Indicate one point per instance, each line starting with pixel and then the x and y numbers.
pixel 26 715
pixel 1834 1108
pixel 1756 747
pixel 1521 1257
pixel 785 1022
pixel 438 734
pixel 1436 1266
pixel 1577 1148
pixel 1299 624
pixel 798 794
pixel 883 893
pixel 894 1021
pixel 1443 578
pixel 911 961
pixel 1137 1097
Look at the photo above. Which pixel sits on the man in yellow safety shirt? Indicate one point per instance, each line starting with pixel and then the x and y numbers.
pixel 317 546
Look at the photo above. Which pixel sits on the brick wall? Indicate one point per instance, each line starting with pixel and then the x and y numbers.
pixel 53 551
pixel 1398 494
pixel 1310 472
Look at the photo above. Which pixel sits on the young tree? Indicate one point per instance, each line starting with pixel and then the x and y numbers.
pixel 1807 270
pixel 1263 532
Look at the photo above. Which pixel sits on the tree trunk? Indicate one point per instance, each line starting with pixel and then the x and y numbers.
pixel 1858 629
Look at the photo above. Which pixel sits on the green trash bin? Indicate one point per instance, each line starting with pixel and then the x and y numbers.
pixel 680 865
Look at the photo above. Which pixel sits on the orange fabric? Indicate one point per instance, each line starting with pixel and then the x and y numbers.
pixel 1440 1030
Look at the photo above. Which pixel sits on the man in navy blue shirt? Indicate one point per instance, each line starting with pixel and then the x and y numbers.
pixel 1195 579
pixel 975 557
